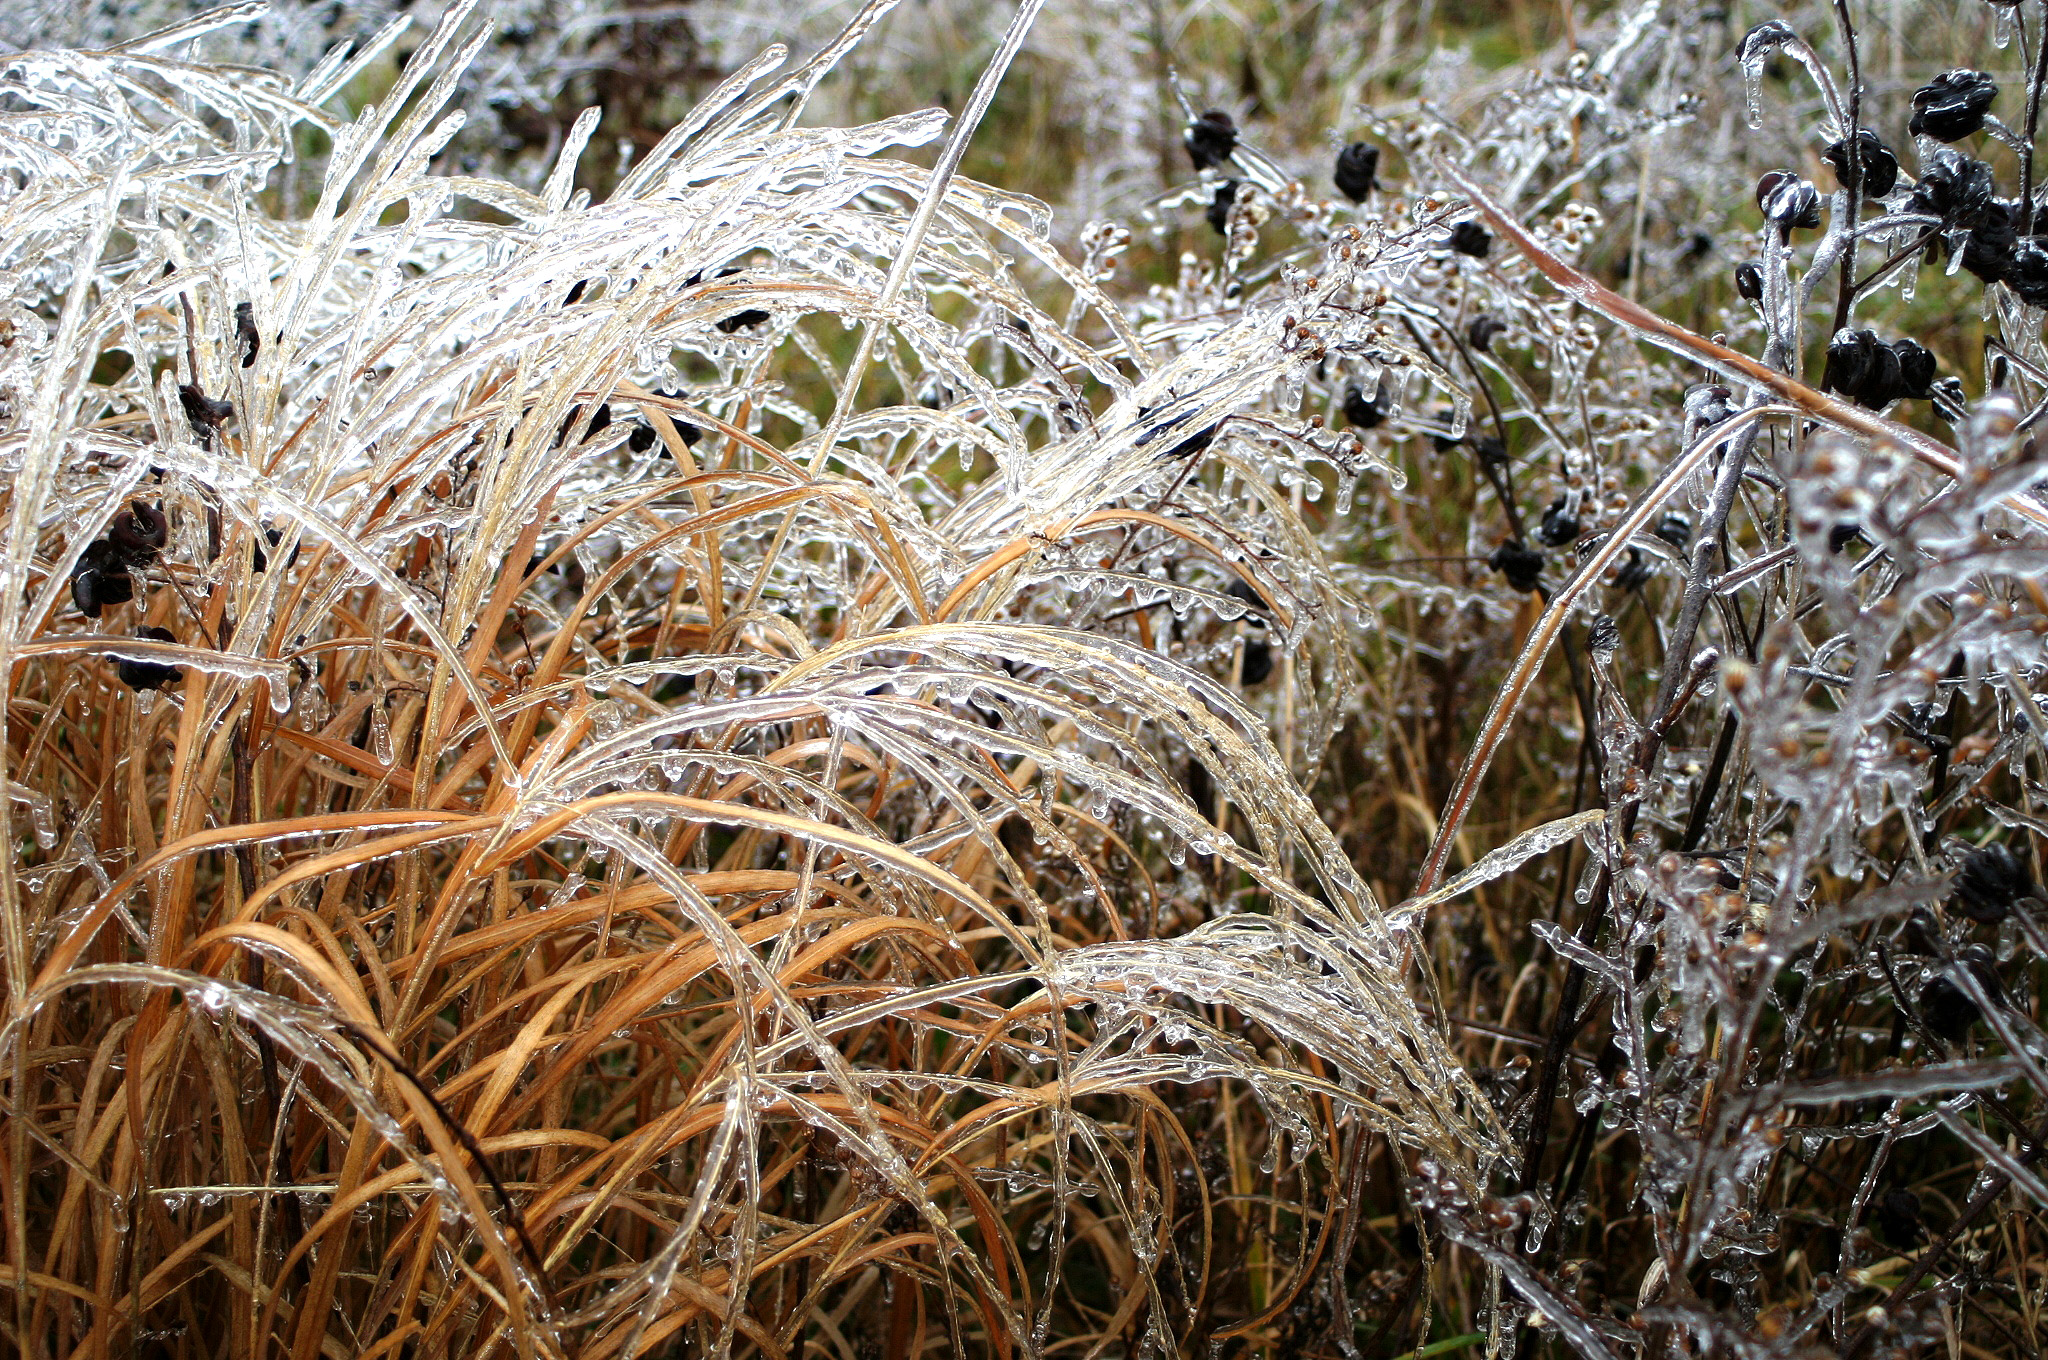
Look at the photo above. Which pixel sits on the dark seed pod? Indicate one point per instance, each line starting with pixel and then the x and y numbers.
pixel 1560 526
pixel 1989 883
pixel 1875 374
pixel 1258 661
pixel 1917 368
pixel 202 412
pixel 261 559
pixel 1604 637
pixel 1952 105
pixel 1522 566
pixel 1241 589
pixel 1789 201
pixel 1674 529
pixel 1850 360
pixel 1358 167
pixel 149 674
pixel 95 587
pixel 1876 172
pixel 138 533
pixel 1218 213
pixel 1843 534
pixel 246 338
pixel 1483 331
pixel 1634 573
pixel 1955 188
pixel 1469 238
pixel 1707 405
pixel 1988 249
pixel 1946 1007
pixel 1489 451
pixel 2026 272
pixel 738 321
pixel 1210 139
pixel 1364 414
pixel 574 420
pixel 1195 443
pixel 1749 281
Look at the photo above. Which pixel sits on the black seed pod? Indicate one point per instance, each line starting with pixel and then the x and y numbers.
pixel 1219 207
pixel 1604 637
pixel 1241 589
pixel 1946 1007
pixel 261 560
pixel 1358 167
pixel 1843 534
pixel 1258 661
pixel 1489 451
pixel 1708 404
pixel 1674 529
pixel 202 412
pixel 1560 526
pixel 1364 414
pixel 1955 188
pixel 1917 369
pixel 1875 374
pixel 1952 105
pixel 1749 281
pixel 1789 201
pixel 1520 564
pixel 99 578
pixel 1633 573
pixel 2026 271
pixel 1483 331
pixel 246 338
pixel 1195 443
pixel 1989 882
pixel 1877 170
pixel 1988 249
pixel 753 316
pixel 1469 238
pixel 149 674
pixel 138 533
pixel 1210 139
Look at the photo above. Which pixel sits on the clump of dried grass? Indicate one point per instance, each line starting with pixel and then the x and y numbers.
pixel 673 829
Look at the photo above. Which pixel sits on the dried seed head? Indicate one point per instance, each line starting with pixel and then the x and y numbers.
pixel 1218 213
pixel 1520 564
pixel 1789 201
pixel 1875 171
pixel 149 674
pixel 1358 170
pixel 1210 139
pixel 1560 526
pixel 1952 105
pixel 1483 331
pixel 1362 413
pixel 1990 881
pixel 138 533
pixel 1469 238
pixel 1258 661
